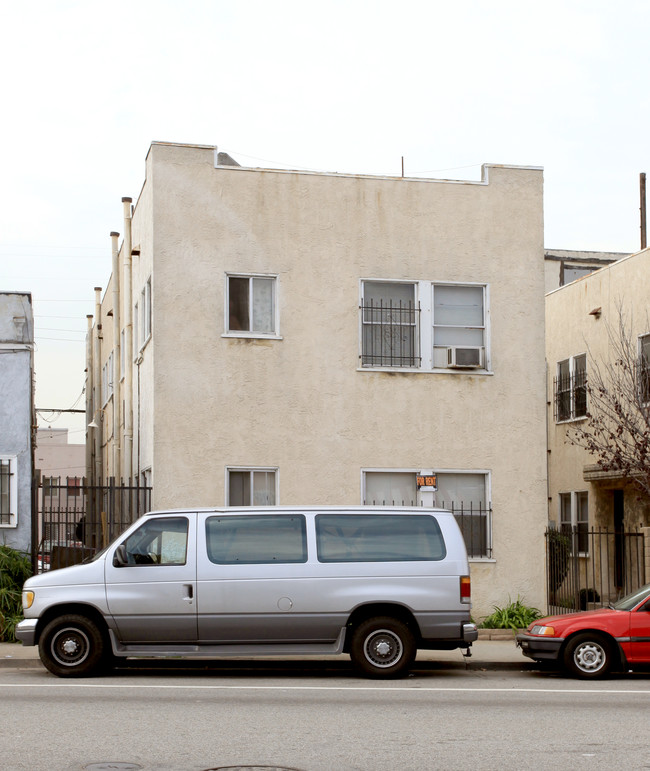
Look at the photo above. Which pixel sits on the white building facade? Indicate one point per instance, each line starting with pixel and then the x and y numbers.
pixel 292 337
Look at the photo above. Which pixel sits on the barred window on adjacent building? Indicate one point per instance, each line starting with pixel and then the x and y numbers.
pixel 571 389
pixel 8 491
pixel 390 319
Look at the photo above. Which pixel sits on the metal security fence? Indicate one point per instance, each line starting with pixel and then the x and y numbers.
pixel 588 569
pixel 73 519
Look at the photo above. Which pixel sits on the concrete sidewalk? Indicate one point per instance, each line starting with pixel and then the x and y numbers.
pixel 500 652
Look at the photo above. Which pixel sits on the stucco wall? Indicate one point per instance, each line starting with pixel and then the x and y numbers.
pixel 300 403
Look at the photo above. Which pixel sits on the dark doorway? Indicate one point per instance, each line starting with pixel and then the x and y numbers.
pixel 619 541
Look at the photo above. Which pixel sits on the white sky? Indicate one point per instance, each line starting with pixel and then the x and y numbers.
pixel 346 86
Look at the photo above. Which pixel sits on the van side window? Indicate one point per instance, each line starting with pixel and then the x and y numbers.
pixel 158 542
pixel 378 538
pixel 255 540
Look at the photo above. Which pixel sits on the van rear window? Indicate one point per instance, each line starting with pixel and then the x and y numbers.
pixel 255 540
pixel 378 538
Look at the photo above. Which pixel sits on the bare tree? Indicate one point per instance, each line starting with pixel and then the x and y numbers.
pixel 617 426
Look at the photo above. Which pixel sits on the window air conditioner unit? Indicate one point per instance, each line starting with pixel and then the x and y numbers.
pixel 464 358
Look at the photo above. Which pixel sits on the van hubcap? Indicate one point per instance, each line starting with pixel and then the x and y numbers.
pixel 383 648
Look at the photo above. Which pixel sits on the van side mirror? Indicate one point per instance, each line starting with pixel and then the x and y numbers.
pixel 120 559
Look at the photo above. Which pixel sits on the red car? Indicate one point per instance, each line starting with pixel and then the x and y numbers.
pixel 593 643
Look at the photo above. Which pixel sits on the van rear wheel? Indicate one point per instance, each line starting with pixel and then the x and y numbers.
pixel 382 647
pixel 72 646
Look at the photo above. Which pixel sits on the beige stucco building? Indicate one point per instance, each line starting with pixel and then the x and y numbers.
pixel 580 320
pixel 293 337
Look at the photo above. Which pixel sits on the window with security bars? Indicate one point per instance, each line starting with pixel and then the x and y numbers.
pixel 571 389
pixel 7 492
pixel 390 324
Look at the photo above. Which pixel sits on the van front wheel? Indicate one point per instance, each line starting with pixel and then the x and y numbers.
pixel 382 647
pixel 72 646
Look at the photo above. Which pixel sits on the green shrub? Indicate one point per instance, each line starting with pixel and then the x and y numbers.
pixel 15 569
pixel 515 615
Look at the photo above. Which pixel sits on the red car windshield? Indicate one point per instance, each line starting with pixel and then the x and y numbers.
pixel 632 600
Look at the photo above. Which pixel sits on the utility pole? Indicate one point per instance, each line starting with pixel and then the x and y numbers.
pixel 644 233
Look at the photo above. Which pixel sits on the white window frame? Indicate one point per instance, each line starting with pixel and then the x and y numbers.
pixel 13 491
pixel 252 469
pixel 574 497
pixel 424 291
pixel 571 360
pixel 275 333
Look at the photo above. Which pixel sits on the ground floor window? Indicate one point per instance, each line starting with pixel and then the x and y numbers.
pixel 251 487
pixel 574 520
pixel 8 491
pixel 466 493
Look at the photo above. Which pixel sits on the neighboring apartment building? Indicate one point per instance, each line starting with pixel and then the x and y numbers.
pixel 579 320
pixel 311 338
pixel 17 418
pixel 562 266
pixel 60 467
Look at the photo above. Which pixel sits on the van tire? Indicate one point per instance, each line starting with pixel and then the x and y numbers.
pixel 72 646
pixel 382 647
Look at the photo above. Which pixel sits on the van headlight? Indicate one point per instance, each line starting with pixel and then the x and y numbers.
pixel 28 599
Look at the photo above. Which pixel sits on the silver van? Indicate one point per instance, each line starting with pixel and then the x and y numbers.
pixel 377 583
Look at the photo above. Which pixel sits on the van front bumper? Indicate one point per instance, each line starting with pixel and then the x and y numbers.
pixel 26 631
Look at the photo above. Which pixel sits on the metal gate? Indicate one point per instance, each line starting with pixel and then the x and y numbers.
pixel 72 520
pixel 587 569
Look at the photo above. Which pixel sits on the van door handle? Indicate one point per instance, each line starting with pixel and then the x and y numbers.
pixel 189 597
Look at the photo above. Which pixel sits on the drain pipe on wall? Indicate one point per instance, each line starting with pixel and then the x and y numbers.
pixel 98 415
pixel 117 374
pixel 90 405
pixel 127 245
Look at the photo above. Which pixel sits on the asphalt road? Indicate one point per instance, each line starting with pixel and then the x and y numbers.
pixel 261 715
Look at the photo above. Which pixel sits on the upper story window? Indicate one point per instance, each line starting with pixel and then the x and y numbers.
pixel 390 325
pixel 571 389
pixel 145 311
pixel 424 325
pixel 8 491
pixel 107 379
pixel 644 368
pixel 251 306
pixel 458 326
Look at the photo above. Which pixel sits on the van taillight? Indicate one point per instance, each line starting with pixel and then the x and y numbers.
pixel 465 589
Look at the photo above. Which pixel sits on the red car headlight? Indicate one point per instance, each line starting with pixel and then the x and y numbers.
pixel 544 631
